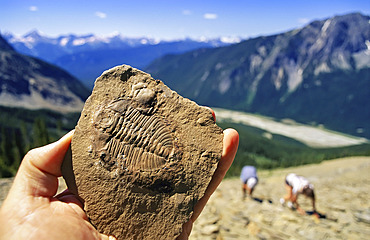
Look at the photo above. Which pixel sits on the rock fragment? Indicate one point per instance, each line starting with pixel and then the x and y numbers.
pixel 362 216
pixel 142 156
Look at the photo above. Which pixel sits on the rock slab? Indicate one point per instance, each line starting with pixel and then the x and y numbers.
pixel 142 156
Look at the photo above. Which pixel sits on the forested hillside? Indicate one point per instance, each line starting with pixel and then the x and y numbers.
pixel 22 130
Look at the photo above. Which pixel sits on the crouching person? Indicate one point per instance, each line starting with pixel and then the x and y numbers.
pixel 296 185
pixel 249 180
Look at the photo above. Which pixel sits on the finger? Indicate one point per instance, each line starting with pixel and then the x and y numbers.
pixel 50 157
pixel 186 230
pixel 106 237
pixel 213 113
pixel 38 172
pixel 230 146
pixel 69 197
pixel 73 204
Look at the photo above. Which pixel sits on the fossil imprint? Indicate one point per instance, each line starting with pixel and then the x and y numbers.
pixel 142 156
pixel 132 139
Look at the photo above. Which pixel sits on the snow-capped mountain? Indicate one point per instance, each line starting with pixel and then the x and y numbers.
pixel 71 42
pixel 87 56
pixel 37 44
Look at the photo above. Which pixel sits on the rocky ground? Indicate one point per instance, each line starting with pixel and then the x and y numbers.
pixel 342 188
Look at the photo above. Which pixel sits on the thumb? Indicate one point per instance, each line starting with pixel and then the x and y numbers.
pixel 39 171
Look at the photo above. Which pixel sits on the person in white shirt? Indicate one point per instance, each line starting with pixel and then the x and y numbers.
pixel 296 185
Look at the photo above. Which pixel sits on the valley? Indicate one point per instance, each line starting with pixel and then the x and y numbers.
pixel 314 137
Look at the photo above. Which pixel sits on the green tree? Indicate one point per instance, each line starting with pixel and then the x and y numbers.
pixel 25 136
pixel 7 157
pixel 17 149
pixel 40 133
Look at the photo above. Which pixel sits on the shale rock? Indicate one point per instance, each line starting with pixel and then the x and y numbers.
pixel 142 156
pixel 342 199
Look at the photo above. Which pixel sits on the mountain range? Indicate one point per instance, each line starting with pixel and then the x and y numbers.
pixel 317 74
pixel 87 56
pixel 31 83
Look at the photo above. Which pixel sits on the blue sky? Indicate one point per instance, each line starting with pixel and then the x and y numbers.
pixel 166 19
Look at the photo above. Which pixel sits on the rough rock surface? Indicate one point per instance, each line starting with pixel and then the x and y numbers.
pixel 342 192
pixel 342 189
pixel 142 156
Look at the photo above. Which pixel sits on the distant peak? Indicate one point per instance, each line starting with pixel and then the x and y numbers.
pixel 230 40
pixel 114 34
pixel 34 33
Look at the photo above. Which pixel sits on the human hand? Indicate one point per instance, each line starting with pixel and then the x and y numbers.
pixel 31 209
pixel 230 146
pixel 301 211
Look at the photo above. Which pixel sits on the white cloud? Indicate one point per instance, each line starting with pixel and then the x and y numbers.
pixel 33 8
pixel 100 15
pixel 303 20
pixel 186 12
pixel 210 16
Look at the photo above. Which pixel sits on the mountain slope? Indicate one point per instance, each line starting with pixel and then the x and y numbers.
pixel 4 46
pixel 318 74
pixel 344 209
pixel 31 83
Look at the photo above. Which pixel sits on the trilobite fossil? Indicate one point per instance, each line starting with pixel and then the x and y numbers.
pixel 142 156
pixel 131 139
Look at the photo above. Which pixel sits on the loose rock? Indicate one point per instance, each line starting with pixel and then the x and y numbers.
pixel 141 157
pixel 344 210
